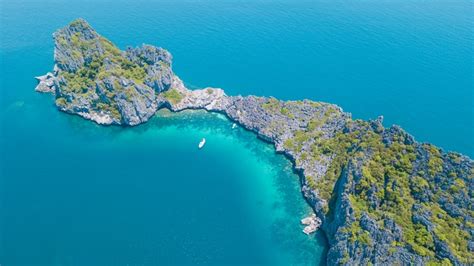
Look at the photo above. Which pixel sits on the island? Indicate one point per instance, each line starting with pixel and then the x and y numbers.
pixel 382 197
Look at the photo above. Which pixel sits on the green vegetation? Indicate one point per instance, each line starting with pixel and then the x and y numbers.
pixel 102 60
pixel 392 176
pixel 272 105
pixel 77 22
pixel 61 102
pixel 322 148
pixel 94 62
pixel 435 163
pixel 389 174
pixel 123 66
pixel 356 233
pixel 286 112
pixel 173 96
pixel 109 108
pixel 448 229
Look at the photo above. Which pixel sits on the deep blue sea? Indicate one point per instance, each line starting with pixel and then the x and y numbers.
pixel 73 192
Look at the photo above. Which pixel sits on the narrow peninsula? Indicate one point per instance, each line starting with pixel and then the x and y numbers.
pixel 383 197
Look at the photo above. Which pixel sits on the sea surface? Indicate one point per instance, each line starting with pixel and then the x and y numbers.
pixel 73 192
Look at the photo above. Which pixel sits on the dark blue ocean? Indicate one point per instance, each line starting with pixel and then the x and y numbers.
pixel 73 192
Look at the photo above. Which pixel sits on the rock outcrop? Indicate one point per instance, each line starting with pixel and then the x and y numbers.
pixel 96 80
pixel 383 197
pixel 46 83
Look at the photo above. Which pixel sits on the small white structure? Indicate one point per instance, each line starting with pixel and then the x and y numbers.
pixel 312 223
pixel 201 144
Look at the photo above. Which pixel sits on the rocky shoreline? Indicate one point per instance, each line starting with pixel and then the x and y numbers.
pixel 383 198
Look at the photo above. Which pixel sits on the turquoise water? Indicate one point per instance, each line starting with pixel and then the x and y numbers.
pixel 72 192
pixel 409 60
pixel 147 195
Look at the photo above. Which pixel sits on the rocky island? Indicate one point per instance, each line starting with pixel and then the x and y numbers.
pixel 382 197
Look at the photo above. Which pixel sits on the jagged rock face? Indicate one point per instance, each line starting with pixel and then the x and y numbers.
pixel 383 210
pixel 98 81
pixel 46 83
pixel 70 52
pixel 383 197
pixel 159 75
pixel 418 212
pixel 345 248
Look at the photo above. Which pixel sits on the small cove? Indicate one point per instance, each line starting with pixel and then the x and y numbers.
pixel 151 194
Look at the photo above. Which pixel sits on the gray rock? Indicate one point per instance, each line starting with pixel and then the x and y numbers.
pixel 127 100
pixel 105 98
pixel 46 83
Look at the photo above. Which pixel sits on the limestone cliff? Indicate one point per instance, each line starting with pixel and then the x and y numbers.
pixel 383 197
pixel 96 80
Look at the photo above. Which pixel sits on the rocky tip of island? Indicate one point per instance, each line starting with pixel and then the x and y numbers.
pixel 381 196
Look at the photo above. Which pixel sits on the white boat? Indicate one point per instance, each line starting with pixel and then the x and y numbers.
pixel 201 144
pixel 312 223
pixel 234 125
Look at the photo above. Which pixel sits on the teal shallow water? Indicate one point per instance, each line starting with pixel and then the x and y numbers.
pixel 74 192
pixel 148 195
pixel 409 60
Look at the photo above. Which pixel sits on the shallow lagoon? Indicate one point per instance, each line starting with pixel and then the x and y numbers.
pixel 148 195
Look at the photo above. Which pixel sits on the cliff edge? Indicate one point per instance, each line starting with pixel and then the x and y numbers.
pixel 384 198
